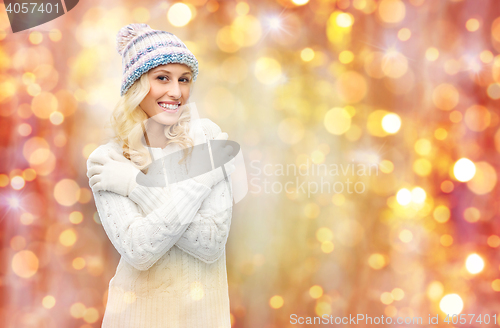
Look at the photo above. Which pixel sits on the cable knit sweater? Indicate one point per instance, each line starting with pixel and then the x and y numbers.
pixel 170 274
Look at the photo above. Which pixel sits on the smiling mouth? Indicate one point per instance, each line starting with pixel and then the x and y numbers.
pixel 169 108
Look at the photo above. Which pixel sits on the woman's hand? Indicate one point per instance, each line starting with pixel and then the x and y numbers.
pixel 115 173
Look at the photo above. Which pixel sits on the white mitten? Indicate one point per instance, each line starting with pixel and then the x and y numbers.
pixel 113 174
pixel 214 176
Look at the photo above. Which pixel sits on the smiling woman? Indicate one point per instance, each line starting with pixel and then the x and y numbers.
pixel 172 270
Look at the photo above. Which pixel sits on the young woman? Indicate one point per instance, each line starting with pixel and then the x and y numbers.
pixel 172 270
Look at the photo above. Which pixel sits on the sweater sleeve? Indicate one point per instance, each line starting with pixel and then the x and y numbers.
pixel 206 236
pixel 143 240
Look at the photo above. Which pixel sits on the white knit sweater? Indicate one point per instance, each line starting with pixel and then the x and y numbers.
pixel 170 275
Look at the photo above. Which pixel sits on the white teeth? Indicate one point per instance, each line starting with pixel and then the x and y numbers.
pixel 168 106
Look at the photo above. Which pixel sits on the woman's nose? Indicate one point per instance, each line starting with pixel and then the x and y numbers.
pixel 174 91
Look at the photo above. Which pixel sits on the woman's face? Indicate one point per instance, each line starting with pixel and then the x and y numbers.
pixel 170 86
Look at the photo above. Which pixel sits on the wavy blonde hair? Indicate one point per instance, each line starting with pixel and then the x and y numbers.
pixel 127 122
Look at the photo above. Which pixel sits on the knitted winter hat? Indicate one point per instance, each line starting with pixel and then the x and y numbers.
pixel 143 48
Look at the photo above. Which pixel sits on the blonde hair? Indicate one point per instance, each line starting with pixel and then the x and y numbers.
pixel 127 122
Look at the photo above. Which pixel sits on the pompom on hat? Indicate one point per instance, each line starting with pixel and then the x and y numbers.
pixel 143 48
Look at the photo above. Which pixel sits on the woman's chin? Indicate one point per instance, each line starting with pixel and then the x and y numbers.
pixel 166 118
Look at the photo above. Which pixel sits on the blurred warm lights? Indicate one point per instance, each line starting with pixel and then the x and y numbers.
pixel 179 14
pixel 391 11
pixel 398 294
pixel 451 304
pixel 197 290
pixel 67 237
pixel 494 241
pixel 435 290
pixel 472 214
pixel 406 236
pixel 391 123
pixel 474 263
pixel 386 298
pixel 307 54
pixel 404 196
pixel 346 56
pixel 267 70
pixel 316 291
pixel 446 240
pixel 441 213
pixel 445 96
pixel 79 263
pixel 25 264
pixel 48 302
pixel 404 34
pixel 464 169
pixel 394 64
pixel 17 182
pixel 418 195
pixel 472 25
pixel 376 261
pixel 337 121
pixel 344 20
pixel 276 302
pixel 477 118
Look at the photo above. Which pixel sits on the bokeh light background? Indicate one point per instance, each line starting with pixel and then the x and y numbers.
pixel 408 87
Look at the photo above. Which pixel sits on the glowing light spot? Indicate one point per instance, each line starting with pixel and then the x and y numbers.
pixel 346 56
pixel 90 315
pixel 307 54
pixel 77 310
pixel 435 290
pixel 445 96
pixel 36 37
pixel 472 25
pixel 477 118
pixel 25 264
pixel 337 121
pixel 403 197
pixel 344 20
pixel 179 14
pixel 327 247
pixel 394 64
pixel 386 298
pixel 494 241
pixel 324 234
pixel 56 118
pixel 474 263
pixel 276 302
pixel 78 263
pixel 391 11
pixel 67 192
pixel 17 183
pixel 376 261
pixel 464 169
pixel 267 70
pixel 316 291
pixel 397 294
pixel 446 240
pixel 406 236
pixel 418 195
pixel 472 214
pixel 391 123
pixel 451 304
pixel 441 214
pixel 129 297
pixel 196 290
pixel 48 302
pixel 67 237
pixel 76 217
pixel 404 34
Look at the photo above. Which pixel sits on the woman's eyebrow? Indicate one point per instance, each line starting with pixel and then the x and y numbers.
pixel 164 70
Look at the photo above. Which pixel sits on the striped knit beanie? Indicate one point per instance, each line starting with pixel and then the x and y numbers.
pixel 143 48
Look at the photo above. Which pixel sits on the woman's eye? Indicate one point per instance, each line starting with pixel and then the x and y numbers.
pixel 186 80
pixel 159 77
